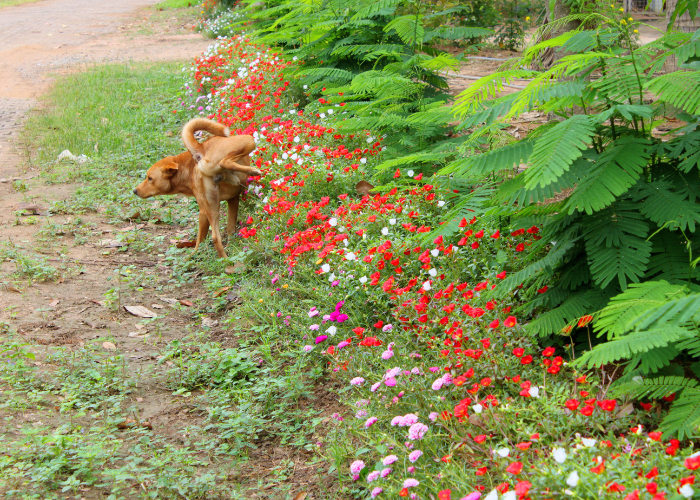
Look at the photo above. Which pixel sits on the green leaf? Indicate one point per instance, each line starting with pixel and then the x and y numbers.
pixel 556 150
pixel 610 175
pixel 661 204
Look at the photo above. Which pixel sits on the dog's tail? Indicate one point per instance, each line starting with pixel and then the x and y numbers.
pixel 196 124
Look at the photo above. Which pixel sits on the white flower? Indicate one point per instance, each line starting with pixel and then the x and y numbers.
pixel 363 160
pixel 686 490
pixel 350 256
pixel 492 496
pixel 534 391
pixel 559 454
pixel 433 272
pixel 322 115
pixel 333 221
pixel 331 330
pixel 572 480
pixel 385 231
pixel 441 203
pixel 478 408
pixel 306 87
pixel 410 173
pixel 503 452
pixel 392 222
pixel 588 442
pixel 330 111
pixel 569 492
pixel 435 252
pixel 325 268
pixel 509 495
pixel 331 277
pixel 426 286
pixel 363 280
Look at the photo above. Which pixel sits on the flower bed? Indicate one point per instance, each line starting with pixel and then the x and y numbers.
pixel 447 394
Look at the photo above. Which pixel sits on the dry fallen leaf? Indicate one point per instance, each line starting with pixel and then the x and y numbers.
pixel 208 322
pixel 98 302
pixel 140 327
pixel 624 410
pixel 141 311
pixel 12 288
pixel 186 303
pixel 300 496
pixel 185 244
pixel 169 301
pixel 109 346
pixel 29 208
pixel 156 306
pixel 54 303
pixel 138 335
pixel 112 243
pixel 222 291
pixel 363 187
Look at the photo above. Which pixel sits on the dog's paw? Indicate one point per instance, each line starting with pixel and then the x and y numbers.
pixel 254 172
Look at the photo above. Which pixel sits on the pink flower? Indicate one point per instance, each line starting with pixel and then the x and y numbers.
pixel 410 419
pixel 372 476
pixel 387 354
pixel 415 455
pixel 417 431
pixel 357 466
pixel 376 492
pixel 343 343
pixel 390 459
pixel 411 469
pixel 357 381
pixel 473 496
pixel 370 422
pixel 391 382
pixel 410 483
pixel 336 416
pixel 385 472
pixel 387 328
pixel 361 414
pixel 375 387
pixel 433 416
pixel 313 312
pixel 397 421
pixel 437 385
pixel 308 348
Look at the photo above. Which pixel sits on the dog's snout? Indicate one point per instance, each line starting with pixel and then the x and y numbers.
pixel 135 191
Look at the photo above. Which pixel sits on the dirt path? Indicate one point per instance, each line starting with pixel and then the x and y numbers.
pixel 50 37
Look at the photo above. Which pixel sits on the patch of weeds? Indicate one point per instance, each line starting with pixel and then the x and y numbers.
pixel 29 266
pixel 80 229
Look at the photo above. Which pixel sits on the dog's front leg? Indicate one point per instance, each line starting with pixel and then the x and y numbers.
pixel 203 229
pixel 211 206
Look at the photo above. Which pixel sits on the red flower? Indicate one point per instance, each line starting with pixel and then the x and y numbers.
pixel 494 324
pixel 587 410
pixel 584 321
pixel 543 289
pixel 670 397
pixel 598 469
pixel 632 496
pixel 673 447
pixel 481 471
pixel 444 495
pixel 397 174
pixel 652 473
pixel 515 468
pixel 519 247
pixel 526 360
pixel 572 404
pixel 403 492
pixel 480 234
pixel 501 275
pixel 616 488
pixel 518 352
pixel 524 446
pixel 475 245
pixel 549 351
pixel 646 406
pixel 480 439
pixel 692 463
pixel 510 321
pixel 652 488
pixel 496 235
pixel 655 435
pixel 607 404
pixel 522 488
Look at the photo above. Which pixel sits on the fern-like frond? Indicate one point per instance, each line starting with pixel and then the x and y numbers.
pixel 470 100
pixel 639 342
pixel 456 33
pixel 669 258
pixel 610 175
pixel 551 322
pixel 673 313
pixel 616 245
pixel 556 150
pixel 409 29
pixel 501 158
pixel 614 319
pixel 661 204
pixel 374 7
pixel 680 89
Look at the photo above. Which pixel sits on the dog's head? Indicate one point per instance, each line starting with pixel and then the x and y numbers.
pixel 158 179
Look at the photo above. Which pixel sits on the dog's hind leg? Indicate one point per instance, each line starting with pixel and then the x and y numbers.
pixel 231 162
pixel 232 223
pixel 203 229
pixel 211 206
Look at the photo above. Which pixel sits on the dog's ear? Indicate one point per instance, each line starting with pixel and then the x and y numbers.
pixel 197 157
pixel 170 169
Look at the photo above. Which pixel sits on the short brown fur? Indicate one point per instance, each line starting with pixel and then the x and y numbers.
pixel 181 175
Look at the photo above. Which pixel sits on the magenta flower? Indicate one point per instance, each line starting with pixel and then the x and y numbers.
pixel 437 385
pixel 343 343
pixel 390 382
pixel 321 338
pixel 336 416
pixel 370 422
pixel 417 431
pixel 313 312
pixel 473 496
pixel 357 466
pixel 387 328
pixel 361 414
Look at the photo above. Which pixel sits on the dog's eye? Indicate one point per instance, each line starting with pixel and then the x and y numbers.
pixel 150 178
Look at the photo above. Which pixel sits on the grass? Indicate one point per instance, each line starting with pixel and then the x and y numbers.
pixel 176 4
pixel 254 392
pixel 12 3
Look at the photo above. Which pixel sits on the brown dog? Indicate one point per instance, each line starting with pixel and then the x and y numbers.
pixel 180 175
